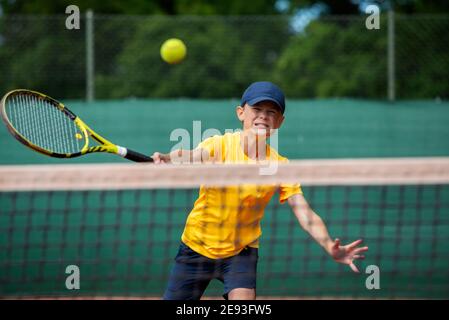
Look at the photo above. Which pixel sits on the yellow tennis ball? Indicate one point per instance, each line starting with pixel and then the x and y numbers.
pixel 173 51
pixel 78 136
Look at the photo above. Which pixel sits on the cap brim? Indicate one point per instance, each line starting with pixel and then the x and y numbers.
pixel 264 98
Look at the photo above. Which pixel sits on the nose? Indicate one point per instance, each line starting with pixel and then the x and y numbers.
pixel 262 114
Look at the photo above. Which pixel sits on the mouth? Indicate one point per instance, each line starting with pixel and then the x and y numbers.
pixel 261 125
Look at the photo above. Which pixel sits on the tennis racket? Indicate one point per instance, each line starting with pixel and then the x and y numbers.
pixel 47 126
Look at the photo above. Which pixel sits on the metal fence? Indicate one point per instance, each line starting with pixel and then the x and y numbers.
pixel 115 57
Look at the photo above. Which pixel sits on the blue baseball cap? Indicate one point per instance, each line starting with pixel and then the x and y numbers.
pixel 262 91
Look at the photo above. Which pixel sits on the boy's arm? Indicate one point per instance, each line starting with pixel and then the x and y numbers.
pixel 314 225
pixel 198 155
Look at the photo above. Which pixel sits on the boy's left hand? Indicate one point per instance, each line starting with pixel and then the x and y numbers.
pixel 348 253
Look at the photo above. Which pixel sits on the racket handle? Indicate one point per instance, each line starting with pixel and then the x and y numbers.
pixel 137 157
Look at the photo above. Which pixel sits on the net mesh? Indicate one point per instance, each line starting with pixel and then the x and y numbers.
pixel 121 226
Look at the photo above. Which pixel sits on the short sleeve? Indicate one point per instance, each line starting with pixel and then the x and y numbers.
pixel 288 190
pixel 211 145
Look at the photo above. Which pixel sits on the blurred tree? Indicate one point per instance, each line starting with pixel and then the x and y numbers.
pixel 212 7
pixel 100 6
pixel 420 6
pixel 171 7
pixel 334 6
pixel 226 7
pixel 422 62
pixel 352 6
pixel 332 59
pixel 41 54
pixel 223 56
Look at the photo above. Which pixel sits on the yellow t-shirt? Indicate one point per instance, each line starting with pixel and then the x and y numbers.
pixel 225 220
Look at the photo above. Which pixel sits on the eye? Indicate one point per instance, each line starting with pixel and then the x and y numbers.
pixel 271 112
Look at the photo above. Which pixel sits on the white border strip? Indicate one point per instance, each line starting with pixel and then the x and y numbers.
pixel 149 176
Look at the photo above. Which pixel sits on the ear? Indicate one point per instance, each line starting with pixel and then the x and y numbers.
pixel 239 111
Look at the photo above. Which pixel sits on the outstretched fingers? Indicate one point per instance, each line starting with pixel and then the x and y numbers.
pixel 360 250
pixel 354 268
pixel 354 244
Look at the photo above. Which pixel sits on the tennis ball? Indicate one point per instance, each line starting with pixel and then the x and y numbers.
pixel 78 136
pixel 173 51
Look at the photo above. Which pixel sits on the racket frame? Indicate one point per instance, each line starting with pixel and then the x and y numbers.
pixel 105 145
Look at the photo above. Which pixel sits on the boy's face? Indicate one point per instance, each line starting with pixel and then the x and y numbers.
pixel 261 118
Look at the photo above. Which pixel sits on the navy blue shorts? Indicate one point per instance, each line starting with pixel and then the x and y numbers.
pixel 192 273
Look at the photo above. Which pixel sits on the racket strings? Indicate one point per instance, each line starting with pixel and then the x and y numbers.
pixel 44 125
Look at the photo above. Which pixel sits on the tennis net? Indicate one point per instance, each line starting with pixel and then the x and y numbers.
pixel 120 225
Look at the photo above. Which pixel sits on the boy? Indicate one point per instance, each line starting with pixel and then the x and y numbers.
pixel 220 238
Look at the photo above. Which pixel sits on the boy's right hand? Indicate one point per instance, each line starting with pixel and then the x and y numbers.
pixel 160 158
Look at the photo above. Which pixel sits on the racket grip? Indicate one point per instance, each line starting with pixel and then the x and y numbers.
pixel 137 157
